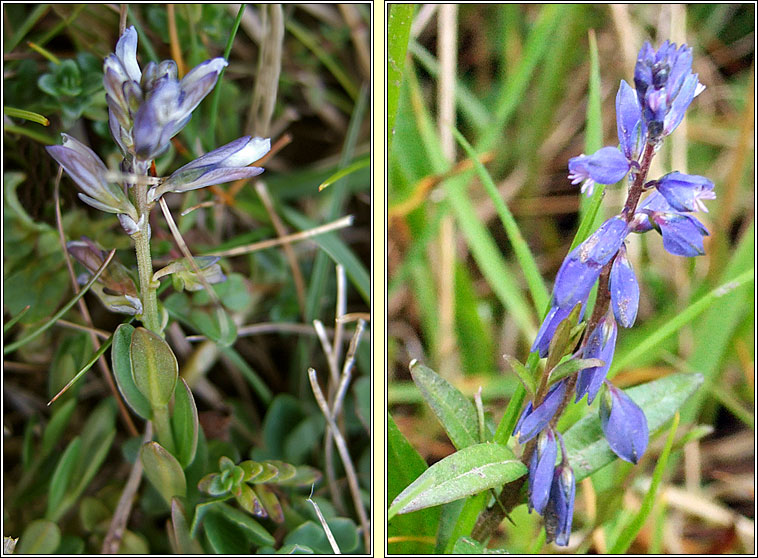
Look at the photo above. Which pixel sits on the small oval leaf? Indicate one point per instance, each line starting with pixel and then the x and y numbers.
pixel 154 367
pixel 122 368
pixel 270 502
pixel 464 473
pixel 163 470
pixel 40 537
pixel 184 424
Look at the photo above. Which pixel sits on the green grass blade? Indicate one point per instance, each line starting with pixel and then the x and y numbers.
pixel 217 89
pixel 255 381
pixel 26 26
pixel 26 115
pixel 357 165
pixel 398 31
pixel 310 42
pixel 524 255
pixel 593 135
pixel 538 44
pixel 630 532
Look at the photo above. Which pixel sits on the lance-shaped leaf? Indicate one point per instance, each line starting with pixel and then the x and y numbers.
pixel 184 424
pixel 454 411
pixel 163 470
pixel 466 472
pixel 181 540
pixel 154 367
pixel 270 502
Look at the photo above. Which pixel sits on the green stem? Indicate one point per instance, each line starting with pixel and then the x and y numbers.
pixel 150 317
pixel 163 428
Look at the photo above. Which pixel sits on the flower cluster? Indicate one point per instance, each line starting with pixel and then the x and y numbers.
pixel 146 108
pixel 664 88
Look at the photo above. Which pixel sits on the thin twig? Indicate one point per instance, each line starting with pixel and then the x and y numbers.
pixel 267 327
pixel 339 312
pixel 340 223
pixel 324 525
pixel 123 11
pixel 289 252
pixel 334 373
pixel 71 325
pixel 339 440
pixel 124 508
pixel 185 250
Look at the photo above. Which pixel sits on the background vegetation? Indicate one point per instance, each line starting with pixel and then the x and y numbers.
pixel 523 86
pixel 298 74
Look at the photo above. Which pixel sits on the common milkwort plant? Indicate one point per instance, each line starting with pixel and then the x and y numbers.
pixel 147 107
pixel 579 353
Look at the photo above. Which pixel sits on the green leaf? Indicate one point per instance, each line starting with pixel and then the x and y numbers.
pixel 398 32
pixel 163 470
pixel 154 367
pixel 404 465
pixel 585 442
pixel 312 535
pixel 122 368
pixel 467 545
pixel 183 542
pixel 454 411
pixel 57 425
pixel 184 424
pixel 216 324
pixel 284 472
pixel 464 473
pixel 571 366
pixel 304 476
pixel 270 502
pixel 249 501
pixel 224 536
pixel 527 263
pixel 523 373
pixel 253 530
pixel 59 483
pixel 40 537
pixel 202 509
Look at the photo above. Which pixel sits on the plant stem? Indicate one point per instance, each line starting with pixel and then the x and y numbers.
pixel 148 293
pixel 510 496
pixel 163 428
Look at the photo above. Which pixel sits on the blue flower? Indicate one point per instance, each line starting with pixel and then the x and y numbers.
pixel 682 233
pixel 541 470
pixel 624 424
pixel 601 344
pixel 686 192
pixel 625 291
pixel 632 130
pixel 665 86
pixel 606 166
pixel 532 422
pixel 583 265
pixel 91 175
pixel 559 512
pixel 224 164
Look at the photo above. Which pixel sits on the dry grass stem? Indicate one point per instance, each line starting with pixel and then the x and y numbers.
pixel 339 440
pixel 120 518
pixel 289 252
pixel 340 223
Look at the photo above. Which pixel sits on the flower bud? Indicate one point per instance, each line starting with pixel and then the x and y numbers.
pixel 625 291
pixel 224 164
pixel 89 173
pixel 541 470
pixel 601 344
pixel 559 512
pixel 624 424
pixel 631 127
pixel 533 421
